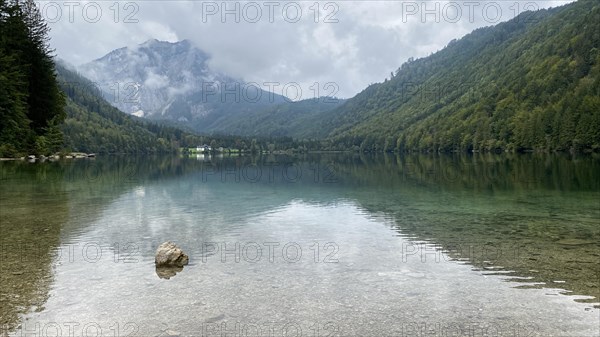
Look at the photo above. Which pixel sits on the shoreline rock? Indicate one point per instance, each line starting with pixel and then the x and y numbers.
pixel 71 155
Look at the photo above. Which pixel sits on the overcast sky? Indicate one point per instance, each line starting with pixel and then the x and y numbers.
pixel 349 43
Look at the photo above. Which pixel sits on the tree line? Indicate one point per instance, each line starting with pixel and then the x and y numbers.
pixel 31 103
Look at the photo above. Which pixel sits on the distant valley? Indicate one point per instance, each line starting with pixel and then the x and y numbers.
pixel 173 81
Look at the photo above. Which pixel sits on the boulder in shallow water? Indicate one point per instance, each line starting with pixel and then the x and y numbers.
pixel 169 255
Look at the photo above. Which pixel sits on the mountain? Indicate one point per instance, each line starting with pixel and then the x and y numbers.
pixel 291 119
pixel 532 83
pixel 173 81
pixel 148 80
pixel 93 125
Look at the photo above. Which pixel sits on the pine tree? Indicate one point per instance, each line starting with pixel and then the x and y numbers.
pixel 31 103
pixel 13 107
pixel 46 101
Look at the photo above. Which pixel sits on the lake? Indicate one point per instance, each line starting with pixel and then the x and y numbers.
pixel 310 245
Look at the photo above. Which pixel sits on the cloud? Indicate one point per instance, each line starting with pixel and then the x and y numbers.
pixel 350 43
pixel 155 81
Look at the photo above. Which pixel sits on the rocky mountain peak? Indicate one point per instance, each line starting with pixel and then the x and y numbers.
pixel 146 80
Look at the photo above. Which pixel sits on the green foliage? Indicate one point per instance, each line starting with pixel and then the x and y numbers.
pixel 14 126
pixel 530 84
pixel 30 101
pixel 94 126
pixel 290 119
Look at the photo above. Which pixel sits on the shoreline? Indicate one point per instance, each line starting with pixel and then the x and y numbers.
pixel 82 155
pixel 72 155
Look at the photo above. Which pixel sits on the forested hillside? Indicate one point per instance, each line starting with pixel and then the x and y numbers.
pixel 290 119
pixel 532 83
pixel 93 125
pixel 31 104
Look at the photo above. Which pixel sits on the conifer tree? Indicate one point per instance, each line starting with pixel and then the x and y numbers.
pixel 31 102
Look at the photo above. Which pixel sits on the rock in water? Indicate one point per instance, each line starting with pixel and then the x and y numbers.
pixel 167 272
pixel 169 255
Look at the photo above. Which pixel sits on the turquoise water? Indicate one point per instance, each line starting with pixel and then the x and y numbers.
pixel 321 245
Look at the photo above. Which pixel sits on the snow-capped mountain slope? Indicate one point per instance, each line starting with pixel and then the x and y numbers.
pixel 164 80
